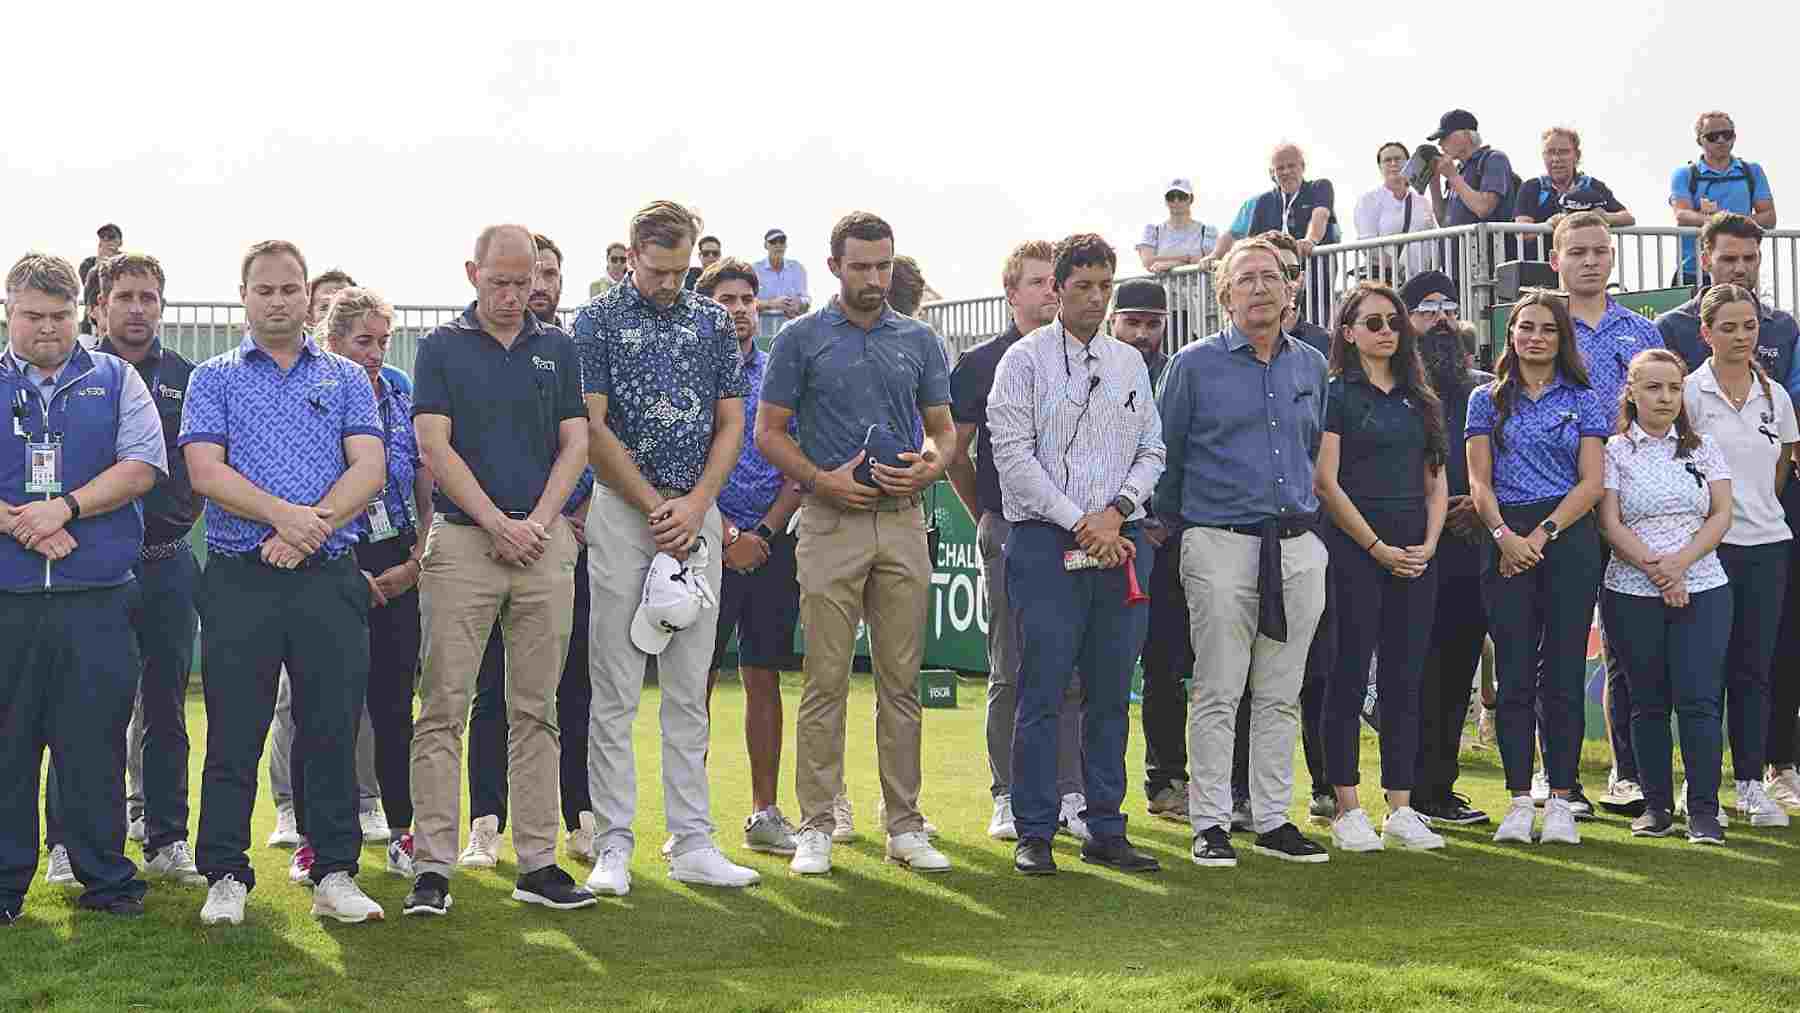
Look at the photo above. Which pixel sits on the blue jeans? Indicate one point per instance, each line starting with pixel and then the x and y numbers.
pixel 1069 620
pixel 1675 659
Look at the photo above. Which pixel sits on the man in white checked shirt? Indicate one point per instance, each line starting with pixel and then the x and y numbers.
pixel 1078 447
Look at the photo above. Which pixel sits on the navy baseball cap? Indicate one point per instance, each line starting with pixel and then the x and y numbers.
pixel 1451 122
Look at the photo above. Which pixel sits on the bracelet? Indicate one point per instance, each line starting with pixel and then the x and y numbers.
pixel 1371 546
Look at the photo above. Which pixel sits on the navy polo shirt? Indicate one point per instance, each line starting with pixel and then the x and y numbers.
pixel 1538 199
pixel 1381 442
pixel 1486 171
pixel 172 507
pixel 970 383
pixel 505 404
pixel 839 379
pixel 1542 453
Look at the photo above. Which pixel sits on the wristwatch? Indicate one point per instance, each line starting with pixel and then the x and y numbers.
pixel 731 535
pixel 1498 532
pixel 765 532
pixel 1550 529
pixel 1124 506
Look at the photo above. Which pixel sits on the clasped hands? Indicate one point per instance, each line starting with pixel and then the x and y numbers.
pixel 1098 534
pixel 38 526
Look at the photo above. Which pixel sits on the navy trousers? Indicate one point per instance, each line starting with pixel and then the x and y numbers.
pixel 1758 576
pixel 1068 620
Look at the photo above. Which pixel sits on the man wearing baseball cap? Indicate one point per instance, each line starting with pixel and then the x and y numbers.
pixel 782 293
pixel 1481 180
pixel 111 239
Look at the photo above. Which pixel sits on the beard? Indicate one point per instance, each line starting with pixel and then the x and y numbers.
pixel 1445 363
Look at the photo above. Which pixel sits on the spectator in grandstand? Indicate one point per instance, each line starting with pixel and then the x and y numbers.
pixel 859 399
pixel 1535 452
pixel 1730 400
pixel 1564 188
pixel 1393 209
pixel 110 239
pixel 615 270
pixel 783 279
pixel 1253 568
pixel 283 439
pixel 1668 502
pixel 1481 182
pixel 1028 279
pixel 1380 479
pixel 1717 181
pixel 1459 624
pixel 1305 330
pixel 709 249
pixel 1301 207
pixel 1178 240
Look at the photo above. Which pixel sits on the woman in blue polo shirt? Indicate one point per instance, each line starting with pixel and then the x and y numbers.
pixel 1535 458
pixel 1380 477
pixel 1731 400
pixel 1666 604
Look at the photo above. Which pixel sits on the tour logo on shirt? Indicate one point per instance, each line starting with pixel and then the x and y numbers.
pixel 544 364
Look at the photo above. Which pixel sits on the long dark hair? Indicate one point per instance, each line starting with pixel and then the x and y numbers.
pixel 1686 440
pixel 1409 369
pixel 1506 371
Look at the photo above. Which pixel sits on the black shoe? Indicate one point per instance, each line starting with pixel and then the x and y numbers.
pixel 1653 823
pixel 1704 829
pixel 126 907
pixel 1213 850
pixel 553 888
pixel 430 896
pixel 1118 853
pixel 1032 856
pixel 1579 804
pixel 1454 810
pixel 1287 843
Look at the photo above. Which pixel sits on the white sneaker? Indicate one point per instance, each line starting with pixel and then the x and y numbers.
pixel 1516 827
pixel 1621 792
pixel 1069 818
pixel 812 853
pixel 581 839
pixel 1001 827
pixel 709 867
pixel 300 869
pixel 881 819
pixel 1756 806
pixel 134 830
pixel 338 897
pixel 843 819
pixel 483 851
pixel 375 827
pixel 400 857
pixel 1407 830
pixel 1783 787
pixel 1559 823
pixel 175 861
pixel 1540 788
pixel 769 832
pixel 612 874
pixel 1352 832
pixel 914 851
pixel 1681 807
pixel 60 871
pixel 287 832
pixel 224 903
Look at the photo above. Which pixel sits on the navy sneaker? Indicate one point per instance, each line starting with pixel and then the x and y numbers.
pixel 1287 843
pixel 127 907
pixel 552 888
pixel 430 896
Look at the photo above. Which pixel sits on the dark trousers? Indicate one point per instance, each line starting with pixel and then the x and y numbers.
pixel 1758 582
pixel 1069 620
pixel 1540 621
pixel 1784 675
pixel 487 720
pixel 393 671
pixel 255 619
pixel 67 675
pixel 1618 710
pixel 1458 627
pixel 1320 657
pixel 1377 610
pixel 1674 658
pixel 1168 660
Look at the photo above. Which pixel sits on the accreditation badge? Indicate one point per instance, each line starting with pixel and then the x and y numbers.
pixel 381 527
pixel 46 468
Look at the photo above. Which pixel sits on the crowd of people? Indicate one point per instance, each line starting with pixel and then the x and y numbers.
pixel 503 543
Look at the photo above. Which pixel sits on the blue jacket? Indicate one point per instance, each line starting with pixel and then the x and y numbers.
pixel 84 408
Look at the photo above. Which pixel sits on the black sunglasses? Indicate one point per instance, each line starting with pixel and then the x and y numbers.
pixel 1375 323
pixel 1720 136
pixel 1177 195
pixel 709 253
pixel 615 260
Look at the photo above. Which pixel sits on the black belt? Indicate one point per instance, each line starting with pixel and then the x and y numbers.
pixel 464 520
pixel 319 558
pixel 1283 528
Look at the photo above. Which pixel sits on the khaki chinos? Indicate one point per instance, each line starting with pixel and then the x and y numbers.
pixel 462 590
pixel 857 564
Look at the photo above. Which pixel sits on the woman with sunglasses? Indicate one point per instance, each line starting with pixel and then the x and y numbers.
pixel 1392 209
pixel 1535 460
pixel 1179 240
pixel 1731 401
pixel 1666 605
pixel 1380 477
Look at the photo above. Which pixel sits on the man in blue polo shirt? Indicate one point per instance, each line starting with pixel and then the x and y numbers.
pixel 1716 182
pixel 83 446
pixel 282 438
pixel 1474 182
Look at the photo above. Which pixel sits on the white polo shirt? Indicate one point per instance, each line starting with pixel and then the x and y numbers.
pixel 1752 440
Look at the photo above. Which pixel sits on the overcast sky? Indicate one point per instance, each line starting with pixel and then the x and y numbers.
pixel 382 137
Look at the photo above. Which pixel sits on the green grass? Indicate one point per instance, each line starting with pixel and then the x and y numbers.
pixel 1613 925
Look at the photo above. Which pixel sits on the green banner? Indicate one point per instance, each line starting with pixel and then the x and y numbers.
pixel 1647 304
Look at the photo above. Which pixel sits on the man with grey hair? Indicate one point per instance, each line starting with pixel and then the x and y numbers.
pixel 499 420
pixel 1481 182
pixel 91 445
pixel 665 396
